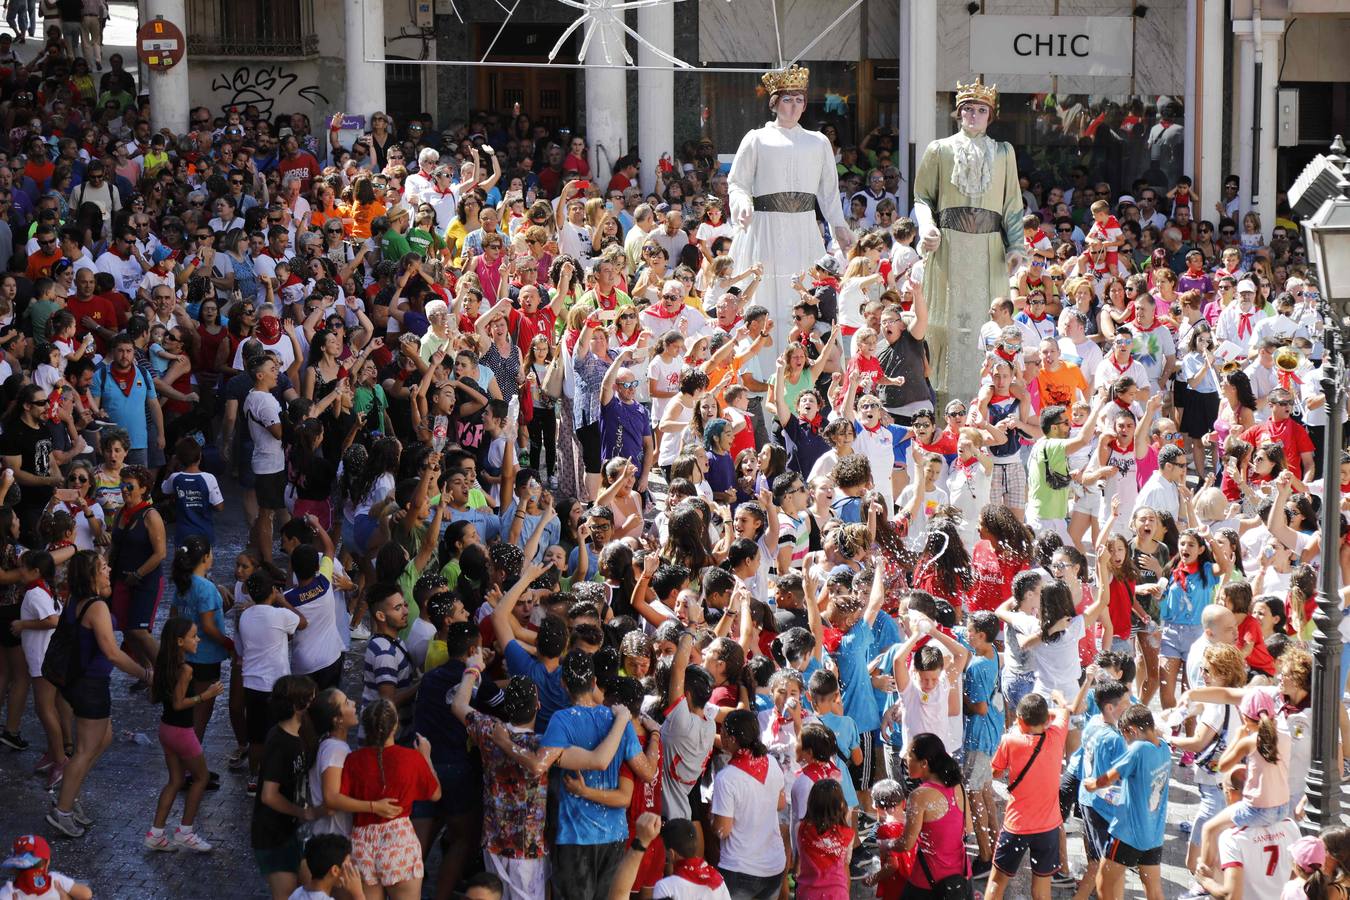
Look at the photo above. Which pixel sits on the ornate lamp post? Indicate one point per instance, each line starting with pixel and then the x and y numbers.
pixel 1321 195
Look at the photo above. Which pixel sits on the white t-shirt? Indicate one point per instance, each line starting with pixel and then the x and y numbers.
pixel 332 753
pixel 37 604
pixel 1159 494
pixel 262 410
pixel 708 232
pixel 1263 855
pixel 1056 662
pixel 319 645
pixel 419 638
pixel 382 488
pixel 687 743
pixel 676 888
pixel 927 712
pixel 753 848
pixel 261 640
pixel 84 535
pixel 666 377
pixel 1213 715
pixel 283 348
pixel 918 523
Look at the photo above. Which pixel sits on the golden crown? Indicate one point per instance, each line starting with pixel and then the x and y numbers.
pixel 794 78
pixel 977 92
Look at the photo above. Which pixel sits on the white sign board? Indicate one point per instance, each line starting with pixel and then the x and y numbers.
pixel 1052 45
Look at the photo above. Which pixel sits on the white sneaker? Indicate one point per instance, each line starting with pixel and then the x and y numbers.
pixel 158 841
pixel 77 811
pixel 190 840
pixel 361 633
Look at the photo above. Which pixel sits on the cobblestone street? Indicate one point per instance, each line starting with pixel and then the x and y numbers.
pixel 120 795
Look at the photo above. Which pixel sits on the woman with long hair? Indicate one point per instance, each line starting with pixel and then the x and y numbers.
pixel 89 695
pixel 385 849
pixel 938 817
pixel 234 270
pixel 1004 550
pixel 1197 567
pixel 465 222
pixel 138 550
pixel 311 473
pixel 365 206
pixel 372 484
pixel 944 569
pixel 182 746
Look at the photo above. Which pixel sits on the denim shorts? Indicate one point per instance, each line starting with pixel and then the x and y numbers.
pixel 1211 802
pixel 1177 640
pixel 1247 816
pixel 1016 685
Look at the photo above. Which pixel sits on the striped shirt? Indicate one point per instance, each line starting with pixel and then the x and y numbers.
pixel 387 661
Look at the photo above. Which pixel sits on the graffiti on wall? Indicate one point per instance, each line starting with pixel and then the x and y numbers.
pixel 263 87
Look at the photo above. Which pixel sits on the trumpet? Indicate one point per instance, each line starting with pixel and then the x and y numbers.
pixel 1286 359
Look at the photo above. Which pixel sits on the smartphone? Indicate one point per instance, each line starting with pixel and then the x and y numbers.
pixel 67 495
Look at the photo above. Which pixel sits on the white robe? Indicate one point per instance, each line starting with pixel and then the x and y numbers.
pixel 771 160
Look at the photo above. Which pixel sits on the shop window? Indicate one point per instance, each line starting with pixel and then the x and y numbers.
pixel 251 28
pixel 1116 139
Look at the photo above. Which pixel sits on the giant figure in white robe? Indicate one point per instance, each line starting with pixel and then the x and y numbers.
pixel 968 208
pixel 781 173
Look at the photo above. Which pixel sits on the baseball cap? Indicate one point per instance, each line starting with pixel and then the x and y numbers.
pixel 29 850
pixel 1308 852
pixel 1246 286
pixel 1124 201
pixel 829 264
pixel 161 253
pixel 61 266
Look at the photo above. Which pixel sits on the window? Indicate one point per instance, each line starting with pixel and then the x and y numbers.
pixel 251 28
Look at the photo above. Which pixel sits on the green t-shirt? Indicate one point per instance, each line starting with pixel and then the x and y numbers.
pixel 424 241
pixel 39 312
pixel 367 397
pixel 395 246
pixel 1043 501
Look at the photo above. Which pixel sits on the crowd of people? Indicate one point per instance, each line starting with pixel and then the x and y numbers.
pixel 630 599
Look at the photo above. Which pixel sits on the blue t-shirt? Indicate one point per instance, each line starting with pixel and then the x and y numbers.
pixel 126 409
pixel 489 525
pixel 196 494
pixel 860 703
pixel 981 683
pixel 1102 746
pixel 1183 606
pixel 894 734
pixel 592 562
pixel 201 598
pixel 551 535
pixel 552 694
pixel 885 633
pixel 848 509
pixel 1145 771
pixel 581 821
pixel 846 737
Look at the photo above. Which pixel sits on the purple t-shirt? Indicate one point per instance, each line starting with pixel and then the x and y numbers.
pixel 622 428
pixel 1201 283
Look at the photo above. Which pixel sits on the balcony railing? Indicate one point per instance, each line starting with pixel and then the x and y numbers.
pixel 251 28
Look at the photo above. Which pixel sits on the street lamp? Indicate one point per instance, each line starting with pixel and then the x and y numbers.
pixel 1321 195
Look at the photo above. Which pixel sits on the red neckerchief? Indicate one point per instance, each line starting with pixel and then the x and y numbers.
pixel 121 256
pixel 1245 324
pixel 124 379
pixel 813 425
pixel 964 465
pixel 60 545
pixel 818 770
pixel 1035 318
pixel 658 311
pixel 1006 357
pixel 628 341
pixel 779 720
pixel 831 638
pixel 1183 571
pixel 1119 402
pixel 1155 325
pixel 129 512
pixel 757 767
pixel 696 871
pixel 37 584
pixel 1116 447
pixel 824 850
pixel 1036 238
pixel 871 429
pixel 33 882
pixel 607 303
pixel 1287 378
pixel 1121 370
pixel 827 281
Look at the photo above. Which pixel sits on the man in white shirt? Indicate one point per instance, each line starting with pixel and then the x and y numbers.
pixel 423 180
pixel 673 314
pixel 1239 321
pixel 1281 326
pixel 124 262
pixel 1075 346
pixel 262 411
pixel 1165 490
pixel 873 194
pixel 1264 376
pixel 669 234
pixel 644 223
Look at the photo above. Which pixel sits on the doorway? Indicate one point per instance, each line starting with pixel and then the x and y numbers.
pixel 546 94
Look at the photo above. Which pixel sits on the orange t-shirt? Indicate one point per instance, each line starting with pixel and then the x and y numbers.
pixel 363 214
pixel 1034 807
pixel 1058 388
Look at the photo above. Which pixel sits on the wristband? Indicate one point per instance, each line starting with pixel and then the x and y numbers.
pixel 635 844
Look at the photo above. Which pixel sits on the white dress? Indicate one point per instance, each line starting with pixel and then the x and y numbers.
pixel 774 160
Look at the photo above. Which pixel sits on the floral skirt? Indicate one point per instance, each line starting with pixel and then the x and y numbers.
pixel 387 853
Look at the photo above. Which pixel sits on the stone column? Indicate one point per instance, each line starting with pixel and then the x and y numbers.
pixel 364 21
pixel 606 100
pixel 168 89
pixel 1259 196
pixel 923 86
pixel 656 90
pixel 1210 88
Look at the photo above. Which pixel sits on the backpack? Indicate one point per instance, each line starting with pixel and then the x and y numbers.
pixel 63 664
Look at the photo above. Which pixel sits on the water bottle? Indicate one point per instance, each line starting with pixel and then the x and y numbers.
pixel 1115 794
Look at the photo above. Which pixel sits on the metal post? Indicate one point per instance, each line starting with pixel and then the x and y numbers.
pixel 1324 776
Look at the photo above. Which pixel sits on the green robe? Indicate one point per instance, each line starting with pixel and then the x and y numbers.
pixel 967 270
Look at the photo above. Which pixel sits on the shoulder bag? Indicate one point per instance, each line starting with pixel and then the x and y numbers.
pixel 953 887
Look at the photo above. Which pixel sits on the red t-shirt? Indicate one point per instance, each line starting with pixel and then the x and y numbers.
pixel 407 778
pixel 994 576
pixel 1259 660
pixel 1289 434
pixel 1120 606
pixel 646 798
pixel 98 308
pixel 303 165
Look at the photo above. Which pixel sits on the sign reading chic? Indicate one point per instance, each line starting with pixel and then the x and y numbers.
pixel 1052 45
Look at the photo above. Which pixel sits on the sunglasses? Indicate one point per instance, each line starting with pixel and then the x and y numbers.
pixel 956 414
pixel 128 485
pixel 628 384
pixel 1228 232
pixel 78 479
pixel 866 406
